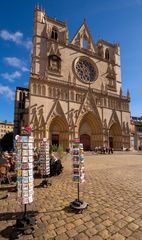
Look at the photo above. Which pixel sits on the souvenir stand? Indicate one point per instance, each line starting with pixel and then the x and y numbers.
pixel 78 175
pixel 44 162
pixel 25 181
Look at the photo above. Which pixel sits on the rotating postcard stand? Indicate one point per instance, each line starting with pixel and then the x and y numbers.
pixel 25 189
pixel 78 176
pixel 44 162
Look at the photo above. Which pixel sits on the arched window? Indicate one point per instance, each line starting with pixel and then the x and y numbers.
pixel 85 43
pixel 54 92
pixel 43 90
pixel 20 98
pixel 107 54
pixel 50 92
pixel 54 63
pixel 39 89
pixel 54 33
pixel 72 95
pixel 34 89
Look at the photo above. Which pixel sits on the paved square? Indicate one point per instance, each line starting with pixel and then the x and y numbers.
pixel 113 190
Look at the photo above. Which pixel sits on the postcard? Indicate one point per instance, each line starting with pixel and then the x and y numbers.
pixel 24 166
pixel 25 200
pixel 25 152
pixel 31 139
pixel 30 165
pixel 76 166
pixel 30 158
pixel 19 172
pixel 19 179
pixel 31 179
pixel 25 194
pixel 31 146
pixel 30 199
pixel 25 173
pixel 25 179
pixel 25 159
pixel 25 145
pixel 25 186
pixel 30 184
pixel 24 138
pixel 30 172
pixel 31 152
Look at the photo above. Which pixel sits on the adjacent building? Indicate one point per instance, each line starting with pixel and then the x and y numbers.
pixel 5 127
pixel 75 88
pixel 21 110
pixel 136 133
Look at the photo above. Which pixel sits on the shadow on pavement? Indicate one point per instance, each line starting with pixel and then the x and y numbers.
pixel 8 188
pixel 9 233
pixel 14 215
pixel 67 209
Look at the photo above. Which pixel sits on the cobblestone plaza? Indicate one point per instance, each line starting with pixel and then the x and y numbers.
pixel 112 189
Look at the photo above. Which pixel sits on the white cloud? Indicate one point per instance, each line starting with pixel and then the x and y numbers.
pixel 16 37
pixel 16 62
pixel 11 77
pixel 6 91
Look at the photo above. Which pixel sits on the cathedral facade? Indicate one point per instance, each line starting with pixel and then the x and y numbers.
pixel 75 88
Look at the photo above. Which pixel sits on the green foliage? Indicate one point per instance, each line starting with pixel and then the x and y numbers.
pixel 58 150
pixel 53 148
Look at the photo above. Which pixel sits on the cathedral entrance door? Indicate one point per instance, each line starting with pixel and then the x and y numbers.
pixel 111 142
pixel 85 139
pixel 55 139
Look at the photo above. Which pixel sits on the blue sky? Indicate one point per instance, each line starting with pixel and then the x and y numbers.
pixel 112 20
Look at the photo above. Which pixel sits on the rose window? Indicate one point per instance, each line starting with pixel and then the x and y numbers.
pixel 85 71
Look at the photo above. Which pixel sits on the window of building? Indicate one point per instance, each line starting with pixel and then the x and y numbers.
pixel 43 90
pixel 39 89
pixel 34 89
pixel 54 33
pixel 54 63
pixel 107 54
pixel 85 43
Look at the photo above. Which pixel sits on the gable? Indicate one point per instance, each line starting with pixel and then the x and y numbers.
pixel 113 119
pixel 83 38
pixel 88 105
pixel 56 110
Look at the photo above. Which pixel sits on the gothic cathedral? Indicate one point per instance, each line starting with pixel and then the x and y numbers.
pixel 75 88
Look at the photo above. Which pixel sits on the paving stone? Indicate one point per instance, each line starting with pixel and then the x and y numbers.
pixel 125 232
pixel 81 236
pixel 60 230
pixel 69 226
pixel 62 236
pixel 138 222
pixel 133 226
pixel 96 237
pixel 117 236
pixel 89 224
pixel 91 232
pixel 137 235
pixel 107 223
pixel 104 234
pixel 80 228
pixel 128 219
pixel 86 218
pixel 78 222
pixel 120 223
pixel 72 233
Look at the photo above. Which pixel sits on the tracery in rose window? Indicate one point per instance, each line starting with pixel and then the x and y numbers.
pixel 85 70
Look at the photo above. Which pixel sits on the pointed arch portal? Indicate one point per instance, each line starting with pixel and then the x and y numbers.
pixel 58 132
pixel 115 136
pixel 90 131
